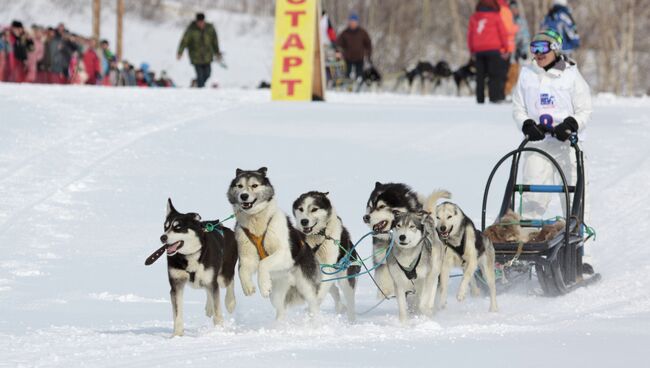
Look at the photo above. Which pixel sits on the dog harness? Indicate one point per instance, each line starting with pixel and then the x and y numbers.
pixel 411 272
pixel 460 250
pixel 258 240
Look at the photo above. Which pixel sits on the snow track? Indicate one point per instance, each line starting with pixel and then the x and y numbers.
pixel 85 172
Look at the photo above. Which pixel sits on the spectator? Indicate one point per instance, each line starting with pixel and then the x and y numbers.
pixel 106 56
pixel 354 46
pixel 559 18
pixel 92 62
pixel 77 70
pixel 140 80
pixel 34 57
pixel 21 45
pixel 522 38
pixel 112 77
pixel 201 41
pixel 60 50
pixel 487 40
pixel 327 32
pixel 127 75
pixel 508 71
pixel 4 54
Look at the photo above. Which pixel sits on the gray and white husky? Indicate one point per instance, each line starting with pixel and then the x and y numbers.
pixel 201 259
pixel 467 247
pixel 416 259
pixel 324 232
pixel 386 200
pixel 269 244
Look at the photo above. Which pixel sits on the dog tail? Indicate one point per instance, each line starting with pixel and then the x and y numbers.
pixel 431 201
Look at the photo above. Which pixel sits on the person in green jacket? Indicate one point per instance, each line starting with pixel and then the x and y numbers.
pixel 200 39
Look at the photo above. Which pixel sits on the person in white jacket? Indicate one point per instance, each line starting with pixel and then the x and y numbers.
pixel 551 101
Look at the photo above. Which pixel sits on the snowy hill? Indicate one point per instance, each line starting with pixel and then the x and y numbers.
pixel 247 41
pixel 85 172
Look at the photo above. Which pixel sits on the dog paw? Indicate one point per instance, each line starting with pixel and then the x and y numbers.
pixel 249 289
pixel 265 288
pixel 178 333
pixel 217 320
pixel 461 295
pixel 230 305
pixel 341 308
pixel 494 308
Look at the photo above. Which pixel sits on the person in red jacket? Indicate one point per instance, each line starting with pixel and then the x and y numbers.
pixel 92 63
pixel 487 39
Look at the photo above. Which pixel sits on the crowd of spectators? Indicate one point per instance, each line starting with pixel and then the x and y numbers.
pixel 58 56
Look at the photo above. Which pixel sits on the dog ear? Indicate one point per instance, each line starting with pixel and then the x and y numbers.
pixel 377 184
pixel 170 207
pixel 196 216
pixel 238 172
pixel 262 170
pixel 325 193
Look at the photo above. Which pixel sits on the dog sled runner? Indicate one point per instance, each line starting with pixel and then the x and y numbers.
pixel 557 262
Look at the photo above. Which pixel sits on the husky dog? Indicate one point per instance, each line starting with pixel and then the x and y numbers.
pixel 329 239
pixel 269 245
pixel 385 201
pixel 416 259
pixel 199 258
pixel 466 247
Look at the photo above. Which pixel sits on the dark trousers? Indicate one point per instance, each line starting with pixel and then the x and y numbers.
pixel 490 65
pixel 356 65
pixel 202 74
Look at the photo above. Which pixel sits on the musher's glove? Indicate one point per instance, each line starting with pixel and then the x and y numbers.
pixel 564 130
pixel 535 132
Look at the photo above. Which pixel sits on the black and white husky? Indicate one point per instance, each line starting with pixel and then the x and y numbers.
pixel 467 247
pixel 385 201
pixel 269 245
pixel 201 259
pixel 316 218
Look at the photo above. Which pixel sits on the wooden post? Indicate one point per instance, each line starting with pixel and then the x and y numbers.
pixel 120 15
pixel 97 6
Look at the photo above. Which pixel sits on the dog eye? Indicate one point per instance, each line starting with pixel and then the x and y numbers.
pixel 239 186
pixel 301 209
pixel 381 207
pixel 448 217
pixel 398 226
pixel 412 227
pixel 314 209
pixel 254 186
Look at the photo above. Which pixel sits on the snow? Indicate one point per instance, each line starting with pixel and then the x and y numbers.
pixel 85 173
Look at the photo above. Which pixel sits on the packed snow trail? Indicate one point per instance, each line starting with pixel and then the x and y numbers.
pixel 85 173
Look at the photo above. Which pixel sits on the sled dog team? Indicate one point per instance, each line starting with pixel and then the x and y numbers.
pixel 428 240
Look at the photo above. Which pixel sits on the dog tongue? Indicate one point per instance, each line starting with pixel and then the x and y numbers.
pixel 173 247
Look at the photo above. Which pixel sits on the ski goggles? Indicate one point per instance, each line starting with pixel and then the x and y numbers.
pixel 542 47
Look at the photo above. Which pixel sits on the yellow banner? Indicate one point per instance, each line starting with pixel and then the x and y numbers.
pixel 294 51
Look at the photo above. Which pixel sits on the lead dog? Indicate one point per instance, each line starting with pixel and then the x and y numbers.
pixel 316 218
pixel 385 201
pixel 416 260
pixel 199 258
pixel 269 245
pixel 466 247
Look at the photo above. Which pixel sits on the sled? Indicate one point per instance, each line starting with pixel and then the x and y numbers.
pixel 557 262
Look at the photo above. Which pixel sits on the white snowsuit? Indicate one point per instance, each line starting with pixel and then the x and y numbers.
pixel 555 94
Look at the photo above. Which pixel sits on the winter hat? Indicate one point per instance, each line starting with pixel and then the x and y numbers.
pixel 17 24
pixel 560 2
pixel 353 17
pixel 200 17
pixel 552 37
